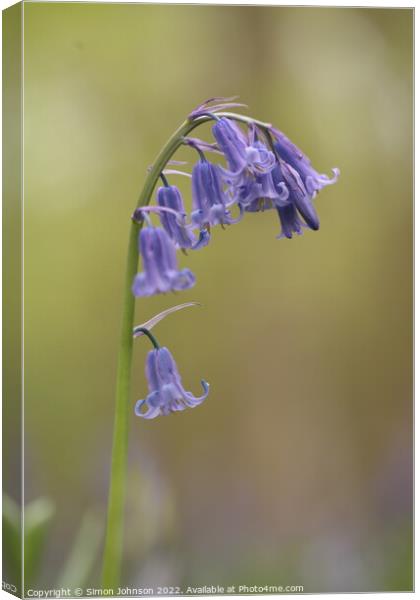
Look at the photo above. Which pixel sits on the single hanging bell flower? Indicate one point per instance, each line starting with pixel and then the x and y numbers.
pixel 291 154
pixel 299 196
pixel 166 392
pixel 160 270
pixel 290 221
pixel 209 199
pixel 244 154
pixel 175 226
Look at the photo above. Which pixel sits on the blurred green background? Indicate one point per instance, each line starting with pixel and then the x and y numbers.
pixel 297 469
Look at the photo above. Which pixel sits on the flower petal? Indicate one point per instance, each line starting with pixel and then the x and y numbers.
pixel 152 410
pixel 192 400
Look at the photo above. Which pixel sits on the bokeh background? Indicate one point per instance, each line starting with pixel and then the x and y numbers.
pixel 297 469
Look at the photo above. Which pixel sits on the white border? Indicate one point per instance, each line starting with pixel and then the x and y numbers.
pixel 321 3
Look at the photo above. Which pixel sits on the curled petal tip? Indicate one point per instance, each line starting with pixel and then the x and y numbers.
pixel 139 405
pixel 198 400
pixel 325 180
pixel 206 386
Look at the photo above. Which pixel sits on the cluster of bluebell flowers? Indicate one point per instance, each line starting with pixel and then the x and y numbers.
pixel 264 170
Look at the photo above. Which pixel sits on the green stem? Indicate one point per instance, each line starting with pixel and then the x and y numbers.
pixel 149 335
pixel 116 500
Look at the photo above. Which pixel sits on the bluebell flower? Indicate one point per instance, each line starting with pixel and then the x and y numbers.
pixel 291 154
pixel 259 158
pixel 298 195
pixel 175 226
pixel 268 190
pixel 160 271
pixel 290 221
pixel 250 192
pixel 210 201
pixel 232 142
pixel 173 221
pixel 280 189
pixel 166 392
pixel 243 155
pixel 289 217
pixel 249 175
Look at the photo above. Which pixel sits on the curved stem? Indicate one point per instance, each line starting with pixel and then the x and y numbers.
pixel 148 334
pixel 116 500
pixel 117 487
pixel 164 180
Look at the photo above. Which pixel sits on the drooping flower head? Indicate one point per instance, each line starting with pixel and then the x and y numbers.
pixel 290 185
pixel 166 392
pixel 264 170
pixel 160 270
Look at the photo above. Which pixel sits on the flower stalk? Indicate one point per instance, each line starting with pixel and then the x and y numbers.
pixel 112 557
